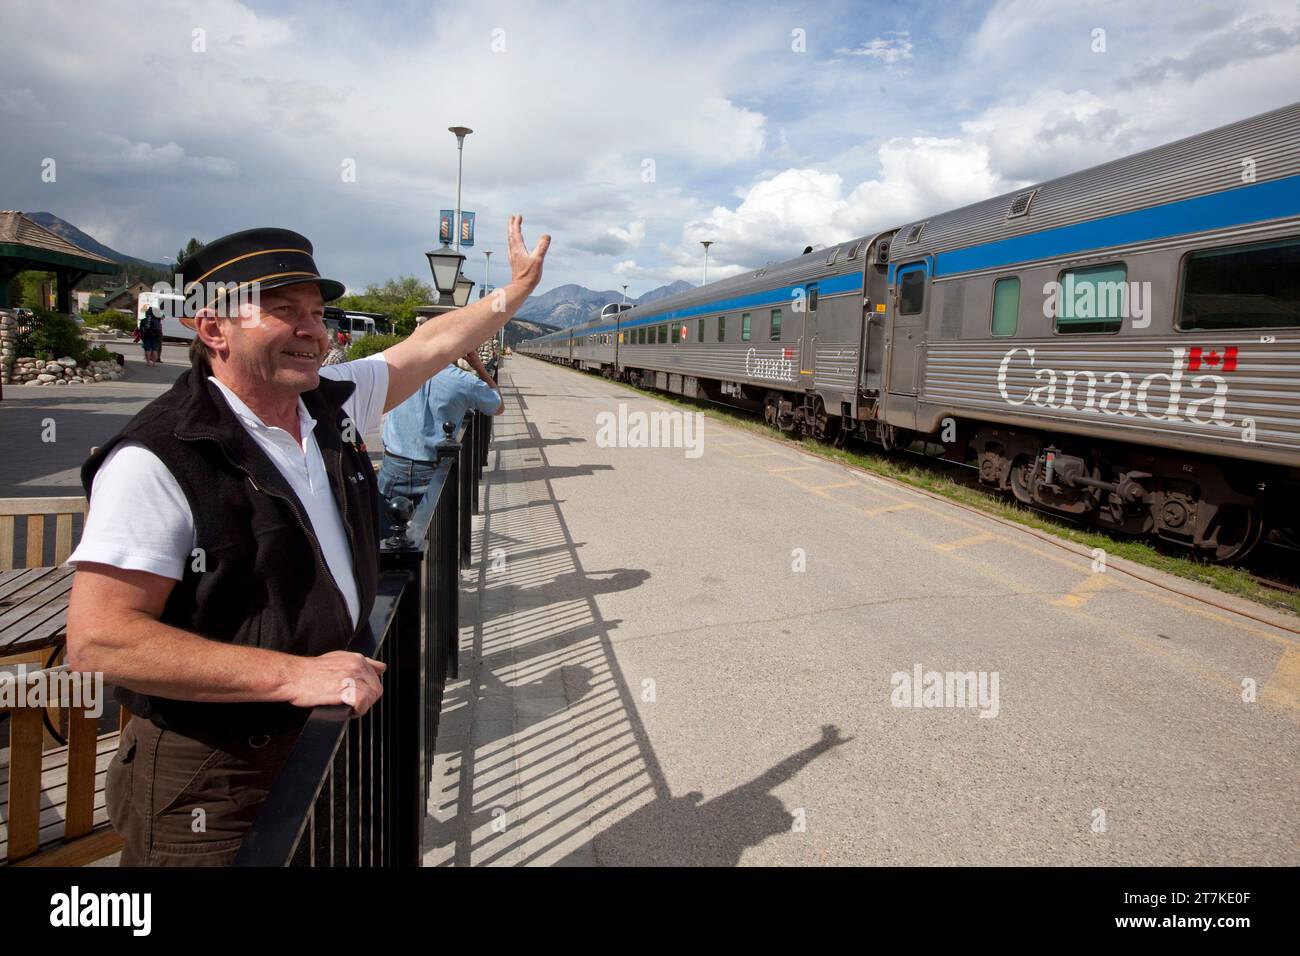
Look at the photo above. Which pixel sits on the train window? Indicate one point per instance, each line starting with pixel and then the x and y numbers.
pixel 1006 305
pixel 911 292
pixel 722 328
pixel 744 327
pixel 1242 287
pixel 663 334
pixel 775 334
pixel 699 335
pixel 1091 300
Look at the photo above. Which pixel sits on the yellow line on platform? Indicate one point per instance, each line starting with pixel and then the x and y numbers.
pixel 1087 588
pixel 965 542
pixel 888 509
pixel 1284 686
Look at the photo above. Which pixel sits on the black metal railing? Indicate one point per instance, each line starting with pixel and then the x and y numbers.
pixel 353 792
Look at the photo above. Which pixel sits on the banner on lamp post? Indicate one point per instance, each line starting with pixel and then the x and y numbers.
pixel 444 226
pixel 466 228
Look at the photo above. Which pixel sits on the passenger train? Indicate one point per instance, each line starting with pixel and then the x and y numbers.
pixel 1120 345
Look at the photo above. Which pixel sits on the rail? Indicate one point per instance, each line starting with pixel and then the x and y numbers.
pixel 353 792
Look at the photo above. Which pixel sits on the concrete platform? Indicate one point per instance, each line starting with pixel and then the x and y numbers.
pixel 699 660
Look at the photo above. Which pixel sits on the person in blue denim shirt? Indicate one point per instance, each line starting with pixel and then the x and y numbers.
pixel 413 429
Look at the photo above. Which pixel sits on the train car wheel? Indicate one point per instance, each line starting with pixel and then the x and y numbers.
pixel 1236 532
pixel 1020 479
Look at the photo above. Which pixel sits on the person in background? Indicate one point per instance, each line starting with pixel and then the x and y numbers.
pixel 413 429
pixel 150 329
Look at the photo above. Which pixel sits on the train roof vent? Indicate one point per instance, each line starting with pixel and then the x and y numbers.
pixel 854 250
pixel 914 233
pixel 1020 205
pixel 832 256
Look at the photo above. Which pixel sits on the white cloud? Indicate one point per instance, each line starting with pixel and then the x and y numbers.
pixel 779 216
pixel 889 49
pixel 631 236
pixel 116 154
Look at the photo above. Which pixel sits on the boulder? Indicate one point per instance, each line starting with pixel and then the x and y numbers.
pixel 67 361
pixel 44 377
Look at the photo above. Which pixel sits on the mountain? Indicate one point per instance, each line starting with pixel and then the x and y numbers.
pixel 74 235
pixel 519 329
pixel 664 291
pixel 569 305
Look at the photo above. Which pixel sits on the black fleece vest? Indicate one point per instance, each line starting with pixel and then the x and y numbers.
pixel 260 578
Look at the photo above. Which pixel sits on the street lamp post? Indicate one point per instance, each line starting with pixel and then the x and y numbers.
pixel 625 293
pixel 706 243
pixel 461 132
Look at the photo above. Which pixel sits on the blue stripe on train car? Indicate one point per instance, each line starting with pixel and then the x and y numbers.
pixel 832 285
pixel 1258 202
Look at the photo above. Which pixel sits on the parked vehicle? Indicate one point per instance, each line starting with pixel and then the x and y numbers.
pixel 172 306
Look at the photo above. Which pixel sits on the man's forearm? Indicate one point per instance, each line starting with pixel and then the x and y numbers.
pixel 465 329
pixel 435 345
pixel 144 655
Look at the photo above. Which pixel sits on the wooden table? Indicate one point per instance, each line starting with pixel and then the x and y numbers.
pixel 33 611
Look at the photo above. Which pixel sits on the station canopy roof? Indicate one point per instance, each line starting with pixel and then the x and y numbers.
pixel 27 245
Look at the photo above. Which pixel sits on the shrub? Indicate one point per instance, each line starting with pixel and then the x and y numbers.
pixel 53 333
pixel 112 319
pixel 370 345
pixel 101 354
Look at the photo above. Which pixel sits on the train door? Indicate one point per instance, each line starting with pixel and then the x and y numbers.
pixel 875 296
pixel 808 342
pixel 907 329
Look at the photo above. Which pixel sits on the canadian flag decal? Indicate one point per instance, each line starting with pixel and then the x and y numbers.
pixel 1227 362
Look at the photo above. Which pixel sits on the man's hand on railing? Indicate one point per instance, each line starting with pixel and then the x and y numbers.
pixel 339 677
pixel 476 364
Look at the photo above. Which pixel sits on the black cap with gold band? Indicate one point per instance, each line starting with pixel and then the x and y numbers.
pixel 259 259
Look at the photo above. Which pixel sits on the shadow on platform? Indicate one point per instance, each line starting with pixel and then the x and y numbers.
pixel 543 758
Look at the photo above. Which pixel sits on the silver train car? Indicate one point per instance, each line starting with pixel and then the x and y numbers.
pixel 1120 345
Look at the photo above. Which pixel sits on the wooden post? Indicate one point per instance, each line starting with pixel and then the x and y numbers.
pixel 24 782
pixel 82 740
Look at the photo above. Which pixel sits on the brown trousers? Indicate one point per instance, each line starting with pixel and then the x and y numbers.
pixel 177 801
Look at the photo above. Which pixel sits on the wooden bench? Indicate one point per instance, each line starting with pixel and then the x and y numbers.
pixel 53 812
pixel 35 511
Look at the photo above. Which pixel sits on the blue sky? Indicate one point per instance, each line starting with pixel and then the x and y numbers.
pixel 767 126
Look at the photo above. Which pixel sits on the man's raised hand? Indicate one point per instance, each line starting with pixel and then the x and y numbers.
pixel 525 266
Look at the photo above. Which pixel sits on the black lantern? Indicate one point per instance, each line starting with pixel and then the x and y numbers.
pixel 445 264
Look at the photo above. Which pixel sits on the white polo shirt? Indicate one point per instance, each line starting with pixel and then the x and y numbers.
pixel 140 520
